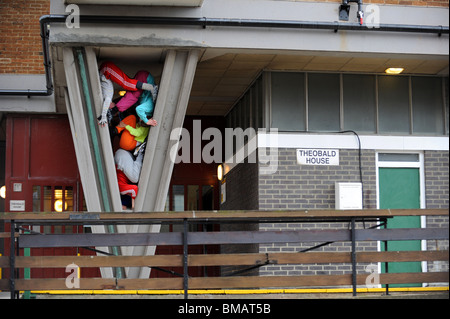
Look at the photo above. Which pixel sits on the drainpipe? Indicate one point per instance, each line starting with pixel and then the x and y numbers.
pixel 205 22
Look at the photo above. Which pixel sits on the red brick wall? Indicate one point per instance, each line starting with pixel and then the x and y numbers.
pixel 20 40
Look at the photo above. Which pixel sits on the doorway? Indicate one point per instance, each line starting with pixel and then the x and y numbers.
pixel 400 187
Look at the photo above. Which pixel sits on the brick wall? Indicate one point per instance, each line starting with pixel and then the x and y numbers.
pixel 437 196
pixel 20 44
pixel 241 194
pixel 294 186
pixel 437 179
pixel 242 187
pixel 301 187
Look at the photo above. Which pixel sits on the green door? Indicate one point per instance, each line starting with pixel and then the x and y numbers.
pixel 400 188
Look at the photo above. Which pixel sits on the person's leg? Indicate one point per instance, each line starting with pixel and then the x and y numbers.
pixel 131 167
pixel 107 93
pixel 136 168
pixel 112 72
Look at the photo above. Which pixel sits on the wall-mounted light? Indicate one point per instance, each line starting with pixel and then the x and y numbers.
pixel 394 70
pixel 3 191
pixel 220 172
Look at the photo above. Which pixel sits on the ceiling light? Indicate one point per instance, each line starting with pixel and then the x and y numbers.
pixel 394 70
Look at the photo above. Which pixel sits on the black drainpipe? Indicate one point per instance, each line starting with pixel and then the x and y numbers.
pixel 205 22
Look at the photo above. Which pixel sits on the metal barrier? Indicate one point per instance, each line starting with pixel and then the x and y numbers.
pixel 185 238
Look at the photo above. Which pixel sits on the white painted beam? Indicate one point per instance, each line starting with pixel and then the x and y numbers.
pixel 76 114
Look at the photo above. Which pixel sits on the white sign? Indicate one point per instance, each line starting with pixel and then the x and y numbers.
pixel 17 187
pixel 17 205
pixel 317 156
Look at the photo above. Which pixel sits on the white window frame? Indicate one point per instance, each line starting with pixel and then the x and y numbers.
pixel 396 164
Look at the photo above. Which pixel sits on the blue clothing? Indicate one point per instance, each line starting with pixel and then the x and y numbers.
pixel 146 103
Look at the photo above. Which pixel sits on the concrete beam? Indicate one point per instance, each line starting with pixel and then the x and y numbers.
pixel 93 142
pixel 92 145
pixel 33 104
pixel 76 115
pixel 103 132
pixel 170 110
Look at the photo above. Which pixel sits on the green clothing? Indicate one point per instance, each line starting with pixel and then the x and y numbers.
pixel 139 133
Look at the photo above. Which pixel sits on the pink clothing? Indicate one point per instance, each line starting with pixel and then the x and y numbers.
pixel 131 97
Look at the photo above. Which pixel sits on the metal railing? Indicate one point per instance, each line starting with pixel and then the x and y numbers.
pixel 351 234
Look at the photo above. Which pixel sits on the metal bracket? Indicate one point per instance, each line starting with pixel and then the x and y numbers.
pixel 344 12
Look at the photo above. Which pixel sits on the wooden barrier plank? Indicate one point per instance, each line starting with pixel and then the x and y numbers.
pixel 60 284
pixel 271 258
pixel 401 256
pixel 406 278
pixel 99 284
pixel 223 259
pixel 269 281
pixel 98 261
pixel 237 282
pixel 4 284
pixel 4 261
pixel 77 217
pixel 308 281
pixel 8 235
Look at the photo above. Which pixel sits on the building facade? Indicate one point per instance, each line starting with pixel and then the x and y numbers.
pixel 298 94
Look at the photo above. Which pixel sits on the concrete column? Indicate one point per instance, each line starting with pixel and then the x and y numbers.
pixel 92 144
pixel 94 151
pixel 170 110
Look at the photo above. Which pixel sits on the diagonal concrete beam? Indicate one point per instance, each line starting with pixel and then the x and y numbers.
pixel 92 145
pixel 94 151
pixel 170 110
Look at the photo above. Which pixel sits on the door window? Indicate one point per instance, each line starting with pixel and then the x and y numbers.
pixel 50 198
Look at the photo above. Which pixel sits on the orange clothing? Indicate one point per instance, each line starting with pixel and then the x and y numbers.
pixel 127 141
